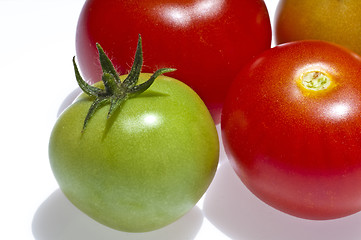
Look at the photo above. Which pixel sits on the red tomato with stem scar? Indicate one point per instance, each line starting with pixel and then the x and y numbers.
pixel 291 126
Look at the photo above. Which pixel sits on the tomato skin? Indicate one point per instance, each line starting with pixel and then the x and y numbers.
pixel 144 167
pixel 334 21
pixel 207 41
pixel 298 150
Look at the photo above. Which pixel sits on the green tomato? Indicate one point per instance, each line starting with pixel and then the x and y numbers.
pixel 145 166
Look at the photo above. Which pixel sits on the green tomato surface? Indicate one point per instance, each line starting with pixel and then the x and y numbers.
pixel 145 166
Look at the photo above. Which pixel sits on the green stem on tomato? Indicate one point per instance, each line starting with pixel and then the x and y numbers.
pixel 115 91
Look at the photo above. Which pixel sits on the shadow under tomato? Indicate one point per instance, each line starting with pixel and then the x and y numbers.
pixel 235 211
pixel 57 219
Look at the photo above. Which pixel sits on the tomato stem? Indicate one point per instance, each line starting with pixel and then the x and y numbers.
pixel 116 92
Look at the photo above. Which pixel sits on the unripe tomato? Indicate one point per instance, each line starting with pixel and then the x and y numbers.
pixel 145 165
pixel 143 168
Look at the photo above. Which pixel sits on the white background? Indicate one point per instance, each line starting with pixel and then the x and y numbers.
pixel 37 40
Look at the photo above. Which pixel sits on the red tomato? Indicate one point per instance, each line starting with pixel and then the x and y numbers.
pixel 207 41
pixel 291 126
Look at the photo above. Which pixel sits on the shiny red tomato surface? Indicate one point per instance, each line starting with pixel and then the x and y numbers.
pixel 207 41
pixel 291 126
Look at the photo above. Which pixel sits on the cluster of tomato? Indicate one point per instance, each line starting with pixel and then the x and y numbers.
pixel 290 115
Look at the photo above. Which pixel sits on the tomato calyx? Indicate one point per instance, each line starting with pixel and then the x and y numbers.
pixel 116 92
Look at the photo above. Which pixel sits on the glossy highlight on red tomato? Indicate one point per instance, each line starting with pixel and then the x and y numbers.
pixel 291 126
pixel 207 41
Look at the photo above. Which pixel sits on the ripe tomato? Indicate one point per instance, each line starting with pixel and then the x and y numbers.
pixel 291 126
pixel 145 166
pixel 207 41
pixel 333 21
